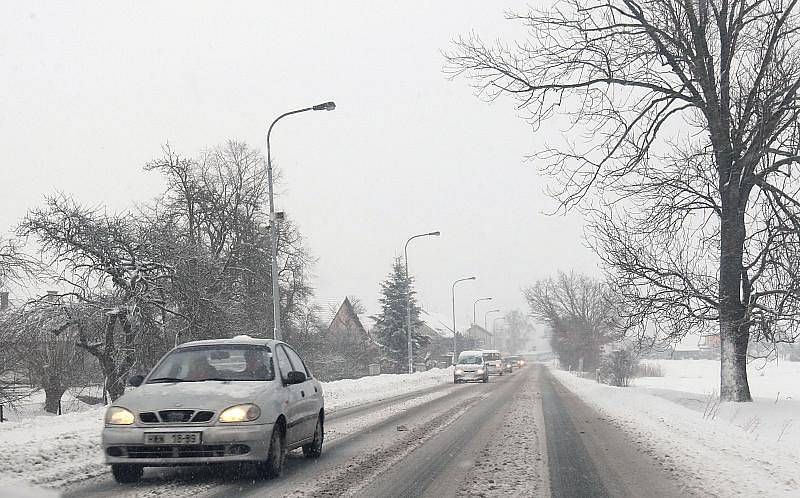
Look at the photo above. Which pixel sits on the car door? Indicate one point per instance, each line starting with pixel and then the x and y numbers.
pixel 293 409
pixel 310 397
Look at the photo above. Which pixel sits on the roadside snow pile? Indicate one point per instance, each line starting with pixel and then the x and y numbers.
pixel 774 414
pixel 55 451
pixel 52 450
pixel 20 489
pixel 351 392
pixel 73 400
pixel 748 449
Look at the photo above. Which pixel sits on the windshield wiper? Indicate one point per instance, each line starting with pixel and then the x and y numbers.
pixel 159 380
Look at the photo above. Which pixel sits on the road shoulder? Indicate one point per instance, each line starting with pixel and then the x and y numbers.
pixel 621 466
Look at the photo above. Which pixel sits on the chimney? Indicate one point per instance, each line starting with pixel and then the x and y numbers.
pixel 52 296
pixel 3 300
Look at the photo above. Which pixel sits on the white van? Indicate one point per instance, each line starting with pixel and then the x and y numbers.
pixel 491 357
pixel 470 367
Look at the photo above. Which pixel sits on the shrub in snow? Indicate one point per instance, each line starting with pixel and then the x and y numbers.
pixel 646 369
pixel 617 368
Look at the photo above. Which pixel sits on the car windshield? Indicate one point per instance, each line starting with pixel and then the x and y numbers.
pixel 491 356
pixel 470 360
pixel 217 362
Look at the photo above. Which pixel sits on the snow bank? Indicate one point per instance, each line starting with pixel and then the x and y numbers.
pixel 21 489
pixel 55 451
pixel 33 405
pixel 350 392
pixel 748 449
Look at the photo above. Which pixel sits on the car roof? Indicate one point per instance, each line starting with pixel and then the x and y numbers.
pixel 490 351
pixel 473 353
pixel 240 340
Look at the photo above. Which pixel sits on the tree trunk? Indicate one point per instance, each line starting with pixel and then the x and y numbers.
pixel 52 398
pixel 115 383
pixel 734 332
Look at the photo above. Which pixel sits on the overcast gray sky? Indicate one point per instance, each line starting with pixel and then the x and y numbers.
pixel 91 90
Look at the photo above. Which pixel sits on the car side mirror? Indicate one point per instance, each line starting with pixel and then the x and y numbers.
pixel 295 377
pixel 136 380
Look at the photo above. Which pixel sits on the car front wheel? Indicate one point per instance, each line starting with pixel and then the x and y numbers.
pixel 126 473
pixel 273 466
pixel 314 448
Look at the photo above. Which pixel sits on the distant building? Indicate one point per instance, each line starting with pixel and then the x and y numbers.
pixel 481 337
pixel 349 348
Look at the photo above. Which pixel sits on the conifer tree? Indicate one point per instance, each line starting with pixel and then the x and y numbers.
pixel 391 322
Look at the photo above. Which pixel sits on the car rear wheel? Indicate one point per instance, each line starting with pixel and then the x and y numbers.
pixel 485 380
pixel 273 465
pixel 314 448
pixel 126 472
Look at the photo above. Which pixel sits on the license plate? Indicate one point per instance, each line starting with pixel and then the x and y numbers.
pixel 172 438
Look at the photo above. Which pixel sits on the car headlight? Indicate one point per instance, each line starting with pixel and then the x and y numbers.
pixel 116 415
pixel 480 371
pixel 459 371
pixel 240 413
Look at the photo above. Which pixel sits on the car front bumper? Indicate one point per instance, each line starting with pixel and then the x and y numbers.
pixel 217 445
pixel 469 376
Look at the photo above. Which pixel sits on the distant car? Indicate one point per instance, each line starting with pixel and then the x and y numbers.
pixel 228 400
pixel 509 364
pixel 518 361
pixel 470 367
pixel 493 362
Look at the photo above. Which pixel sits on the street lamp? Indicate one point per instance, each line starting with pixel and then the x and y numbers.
pixel 494 325
pixel 486 317
pixel 273 220
pixel 455 334
pixel 408 298
pixel 475 308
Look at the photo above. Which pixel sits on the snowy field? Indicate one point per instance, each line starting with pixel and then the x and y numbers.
pixel 54 451
pixel 727 449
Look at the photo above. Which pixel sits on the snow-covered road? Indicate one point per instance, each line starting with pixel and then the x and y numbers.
pixel 385 444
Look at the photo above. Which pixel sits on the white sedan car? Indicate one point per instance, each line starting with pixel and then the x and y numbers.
pixel 217 401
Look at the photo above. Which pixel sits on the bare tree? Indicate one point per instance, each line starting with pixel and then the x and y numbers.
pixel 581 313
pixel 12 357
pixel 213 209
pixel 652 84
pixel 517 331
pixel 52 359
pixel 14 264
pixel 109 272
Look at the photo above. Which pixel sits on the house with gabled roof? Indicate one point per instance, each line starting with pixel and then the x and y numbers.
pixel 349 348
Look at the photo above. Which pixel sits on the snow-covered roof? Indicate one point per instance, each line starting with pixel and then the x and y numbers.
pixel 437 322
pixel 367 321
pixel 326 309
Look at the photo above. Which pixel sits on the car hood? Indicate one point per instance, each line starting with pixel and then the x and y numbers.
pixel 469 368
pixel 207 395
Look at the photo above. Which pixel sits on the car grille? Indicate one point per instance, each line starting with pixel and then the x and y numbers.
pixel 148 417
pixel 202 416
pixel 189 451
pixel 176 416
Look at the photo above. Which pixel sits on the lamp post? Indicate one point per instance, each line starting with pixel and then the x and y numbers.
pixel 486 317
pixel 494 325
pixel 475 308
pixel 408 297
pixel 455 334
pixel 273 220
